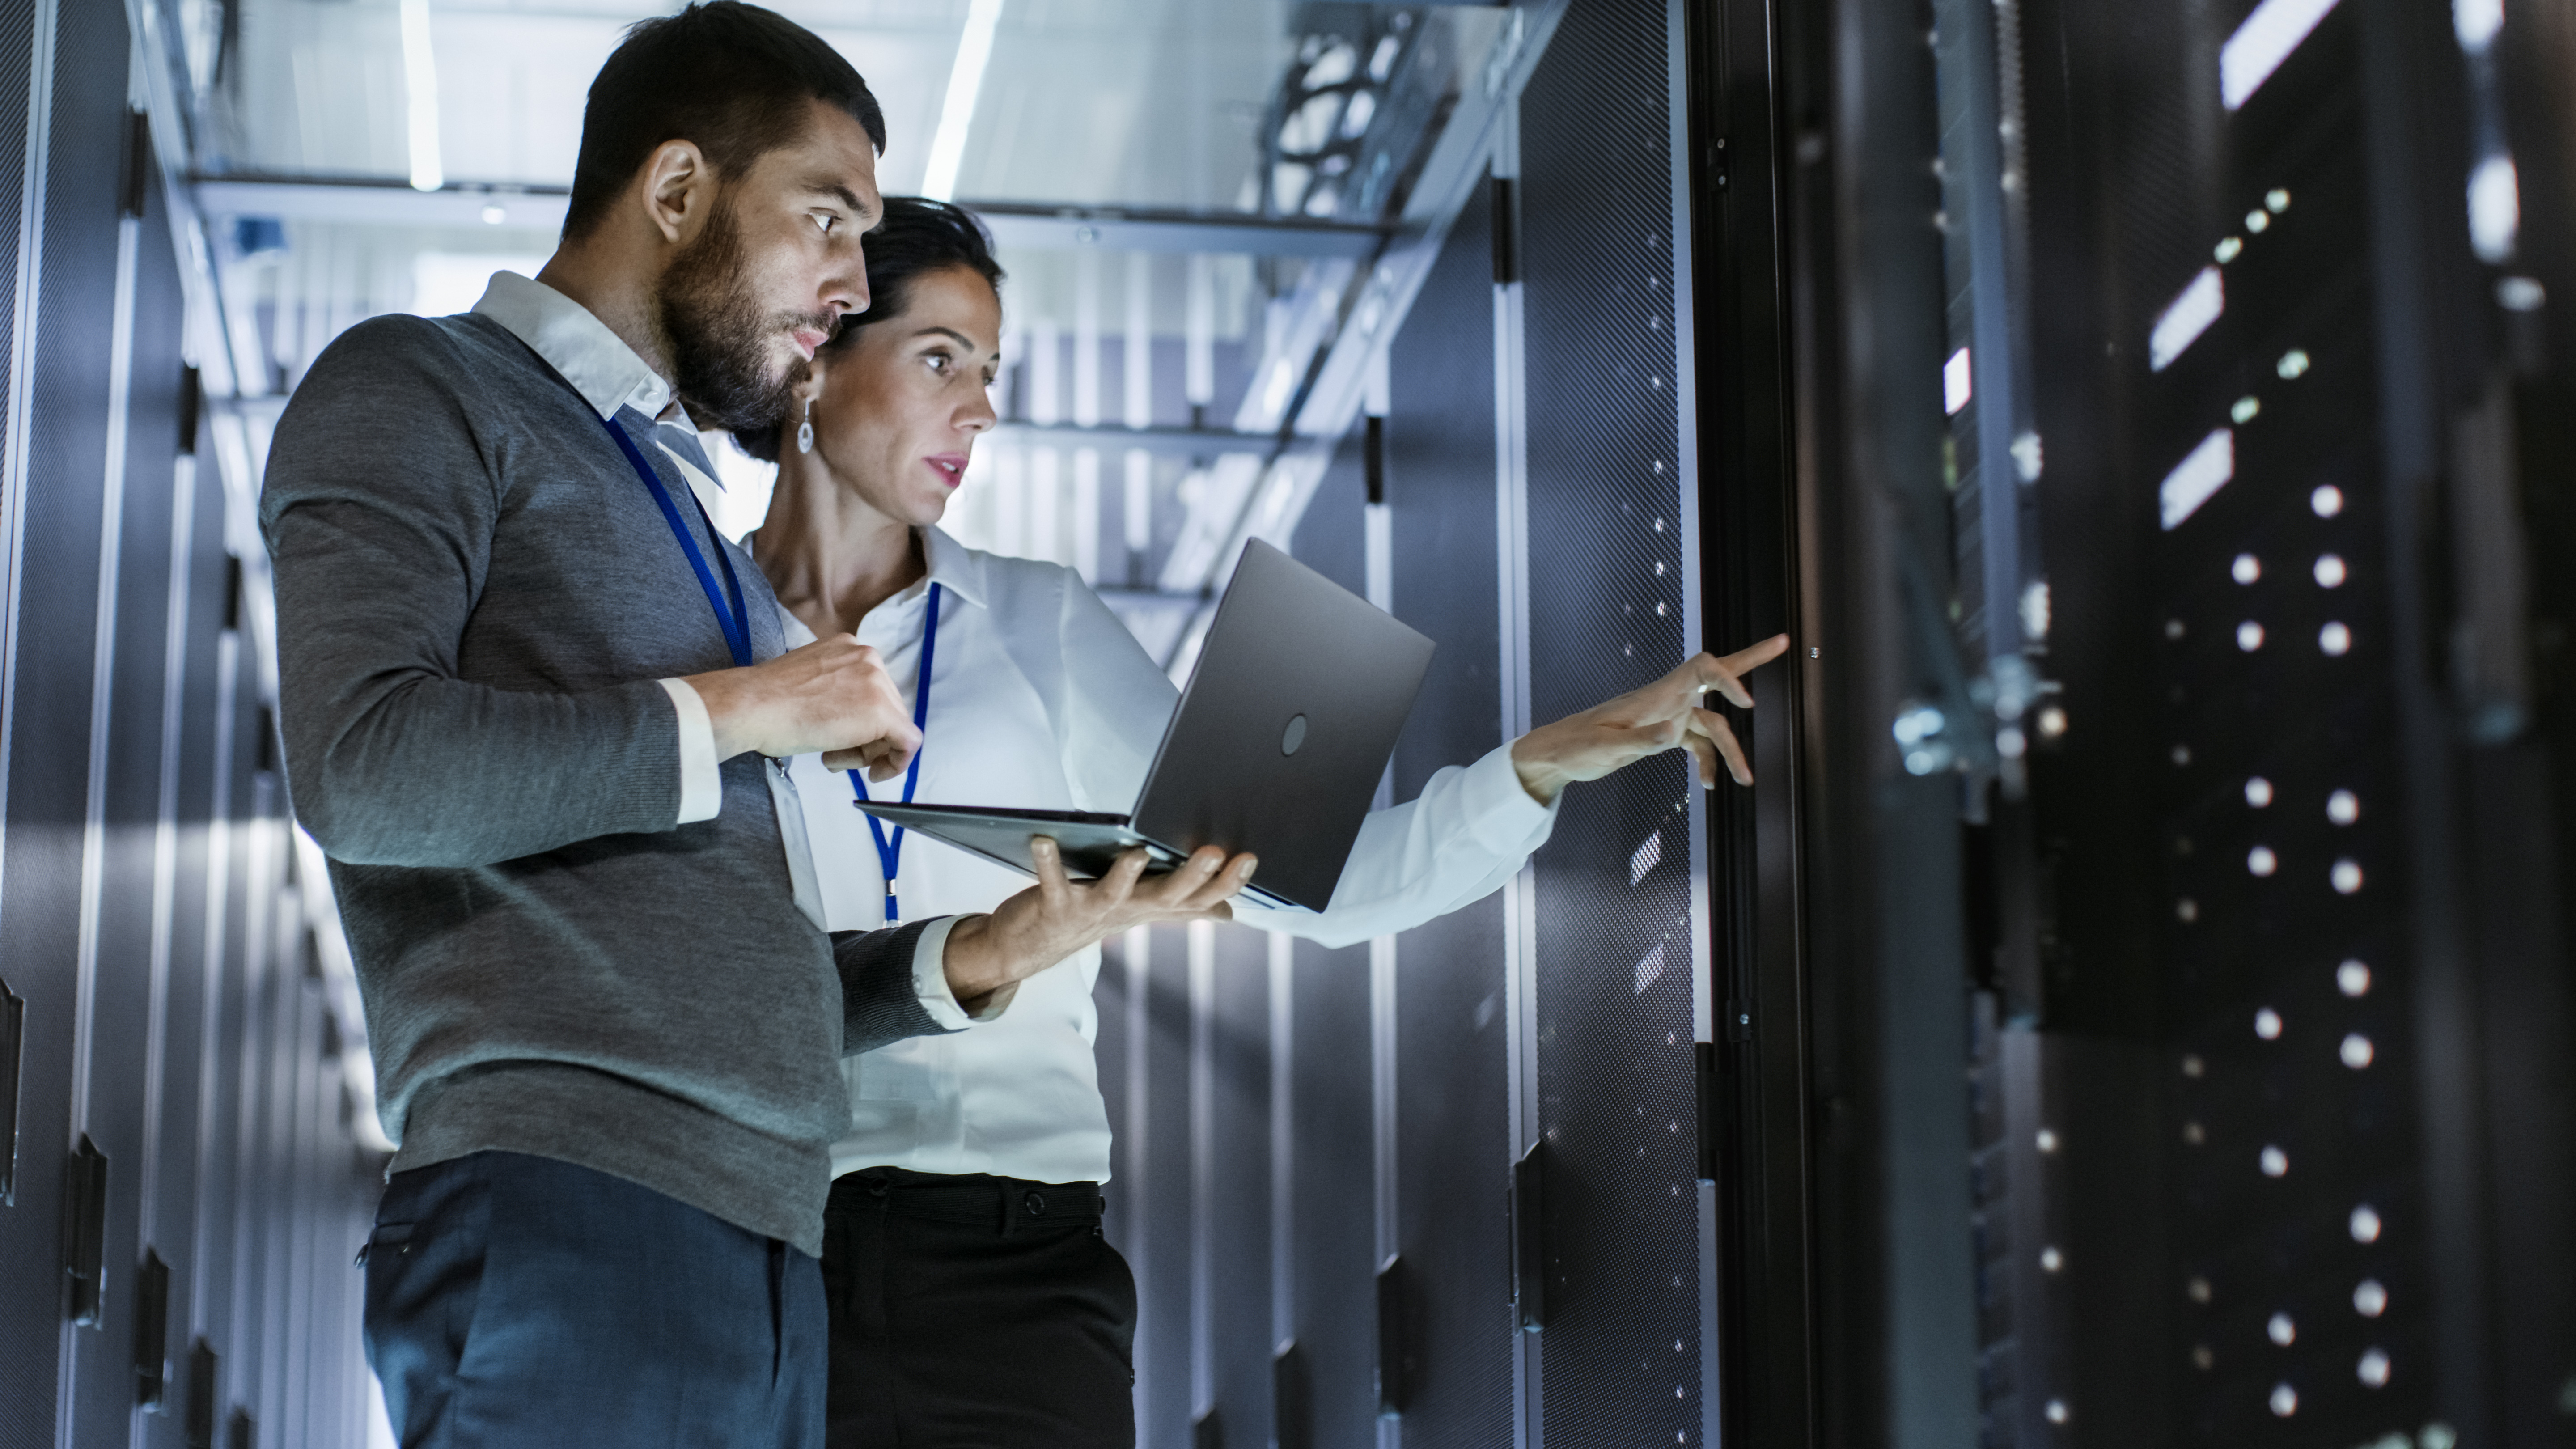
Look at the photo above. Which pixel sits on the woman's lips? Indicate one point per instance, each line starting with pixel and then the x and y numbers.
pixel 951 467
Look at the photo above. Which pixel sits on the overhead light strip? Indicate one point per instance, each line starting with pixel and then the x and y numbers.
pixel 420 93
pixel 957 109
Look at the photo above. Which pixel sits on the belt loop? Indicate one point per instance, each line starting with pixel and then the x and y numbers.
pixel 1010 1212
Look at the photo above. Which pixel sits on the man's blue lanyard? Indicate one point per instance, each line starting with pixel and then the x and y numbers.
pixel 890 855
pixel 736 621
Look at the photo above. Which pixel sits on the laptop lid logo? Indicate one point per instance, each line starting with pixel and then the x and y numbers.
pixel 1295 736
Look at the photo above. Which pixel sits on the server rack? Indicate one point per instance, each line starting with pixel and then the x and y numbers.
pixel 2166 404
pixel 2135 1007
pixel 1468 1156
pixel 182 1179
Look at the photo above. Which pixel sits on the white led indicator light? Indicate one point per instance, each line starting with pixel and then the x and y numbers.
pixel 2187 316
pixel 2262 42
pixel 2197 477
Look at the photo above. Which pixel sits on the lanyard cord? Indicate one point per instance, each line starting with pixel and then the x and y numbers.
pixel 890 854
pixel 736 622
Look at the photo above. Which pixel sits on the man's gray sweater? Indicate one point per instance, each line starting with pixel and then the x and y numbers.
pixel 476 597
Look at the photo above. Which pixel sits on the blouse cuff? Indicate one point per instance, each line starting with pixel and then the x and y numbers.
pixel 1500 812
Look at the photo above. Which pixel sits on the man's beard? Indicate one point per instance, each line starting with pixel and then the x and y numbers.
pixel 719 338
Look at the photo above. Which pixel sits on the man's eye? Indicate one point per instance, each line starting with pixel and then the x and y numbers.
pixel 825 220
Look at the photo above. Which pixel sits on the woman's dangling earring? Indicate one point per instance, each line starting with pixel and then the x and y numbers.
pixel 805 429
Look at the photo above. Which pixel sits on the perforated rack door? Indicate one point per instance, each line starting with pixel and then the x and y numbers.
pixel 1616 952
pixel 64 379
pixel 2295 1184
pixel 2236 819
pixel 1452 1111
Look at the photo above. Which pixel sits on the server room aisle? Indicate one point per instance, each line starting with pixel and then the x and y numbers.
pixel 185 1175
pixel 2133 1009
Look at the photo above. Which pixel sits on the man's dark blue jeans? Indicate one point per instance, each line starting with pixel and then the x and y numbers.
pixel 519 1301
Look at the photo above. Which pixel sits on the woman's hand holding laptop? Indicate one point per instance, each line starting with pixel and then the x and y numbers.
pixel 988 956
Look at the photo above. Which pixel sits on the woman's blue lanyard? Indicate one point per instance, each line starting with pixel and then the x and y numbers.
pixel 890 855
pixel 736 621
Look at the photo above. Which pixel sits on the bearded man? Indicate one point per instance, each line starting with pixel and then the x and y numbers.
pixel 536 712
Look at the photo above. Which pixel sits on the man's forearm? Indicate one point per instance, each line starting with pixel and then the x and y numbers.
pixel 438 772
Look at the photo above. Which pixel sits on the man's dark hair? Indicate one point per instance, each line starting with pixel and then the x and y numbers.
pixel 735 79
pixel 918 236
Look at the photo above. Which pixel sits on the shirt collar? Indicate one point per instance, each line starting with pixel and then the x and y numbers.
pixel 953 566
pixel 596 361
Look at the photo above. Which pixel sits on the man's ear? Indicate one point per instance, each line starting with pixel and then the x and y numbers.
pixel 679 188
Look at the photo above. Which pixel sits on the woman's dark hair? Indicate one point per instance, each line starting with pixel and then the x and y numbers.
pixel 918 236
pixel 735 79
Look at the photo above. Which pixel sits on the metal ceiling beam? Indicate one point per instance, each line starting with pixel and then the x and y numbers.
pixel 372 201
pixel 1023 224
pixel 1163 442
pixel 1374 305
pixel 387 201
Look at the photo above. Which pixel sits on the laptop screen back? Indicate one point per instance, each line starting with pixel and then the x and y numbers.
pixel 1288 721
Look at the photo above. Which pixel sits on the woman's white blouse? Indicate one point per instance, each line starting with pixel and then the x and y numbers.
pixel 1041 699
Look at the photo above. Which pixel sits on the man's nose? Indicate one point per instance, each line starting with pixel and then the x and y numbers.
pixel 848 292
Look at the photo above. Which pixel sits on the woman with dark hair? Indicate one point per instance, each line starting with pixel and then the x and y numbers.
pixel 974 1299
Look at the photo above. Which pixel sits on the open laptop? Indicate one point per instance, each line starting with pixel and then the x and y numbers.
pixel 1287 723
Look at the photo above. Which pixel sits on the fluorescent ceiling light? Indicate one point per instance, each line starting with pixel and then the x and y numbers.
pixel 2185 318
pixel 2197 478
pixel 2264 41
pixel 420 93
pixel 957 109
